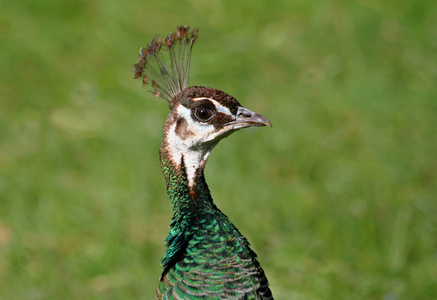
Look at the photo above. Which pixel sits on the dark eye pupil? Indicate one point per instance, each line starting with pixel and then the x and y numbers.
pixel 204 113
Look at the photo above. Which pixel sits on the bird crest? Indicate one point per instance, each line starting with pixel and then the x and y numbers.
pixel 168 72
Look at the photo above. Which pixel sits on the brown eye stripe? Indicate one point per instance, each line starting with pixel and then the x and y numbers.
pixel 220 120
pixel 206 92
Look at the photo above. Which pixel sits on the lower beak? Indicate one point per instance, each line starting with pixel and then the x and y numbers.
pixel 247 118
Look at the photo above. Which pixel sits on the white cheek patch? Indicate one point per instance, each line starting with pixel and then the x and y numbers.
pixel 179 148
pixel 199 128
pixel 186 114
pixel 193 148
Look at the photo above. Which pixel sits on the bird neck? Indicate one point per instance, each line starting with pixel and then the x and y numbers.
pixel 190 196
pixel 186 185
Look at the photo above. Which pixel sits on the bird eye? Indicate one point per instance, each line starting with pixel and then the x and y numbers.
pixel 203 113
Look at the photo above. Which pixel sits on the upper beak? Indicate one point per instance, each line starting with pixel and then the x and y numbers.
pixel 246 118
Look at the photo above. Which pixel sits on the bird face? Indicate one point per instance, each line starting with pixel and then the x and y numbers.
pixel 200 118
pixel 206 116
pixel 206 120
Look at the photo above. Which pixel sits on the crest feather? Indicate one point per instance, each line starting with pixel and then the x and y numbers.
pixel 167 72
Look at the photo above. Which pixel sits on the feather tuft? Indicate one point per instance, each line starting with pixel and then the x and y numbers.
pixel 166 63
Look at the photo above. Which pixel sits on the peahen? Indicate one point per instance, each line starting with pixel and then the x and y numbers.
pixel 206 257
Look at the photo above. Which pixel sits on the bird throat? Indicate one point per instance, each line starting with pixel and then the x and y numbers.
pixel 184 177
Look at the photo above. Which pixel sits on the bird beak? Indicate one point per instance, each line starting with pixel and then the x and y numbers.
pixel 247 118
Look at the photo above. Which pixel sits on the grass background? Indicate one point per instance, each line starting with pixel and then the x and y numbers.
pixel 338 198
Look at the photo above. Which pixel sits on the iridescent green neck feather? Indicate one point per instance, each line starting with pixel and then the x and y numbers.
pixel 189 203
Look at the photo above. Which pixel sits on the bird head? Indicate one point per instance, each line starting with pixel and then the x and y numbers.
pixel 204 116
pixel 199 116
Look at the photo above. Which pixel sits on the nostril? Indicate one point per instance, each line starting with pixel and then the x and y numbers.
pixel 245 113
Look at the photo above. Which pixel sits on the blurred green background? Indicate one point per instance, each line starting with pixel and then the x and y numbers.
pixel 338 198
